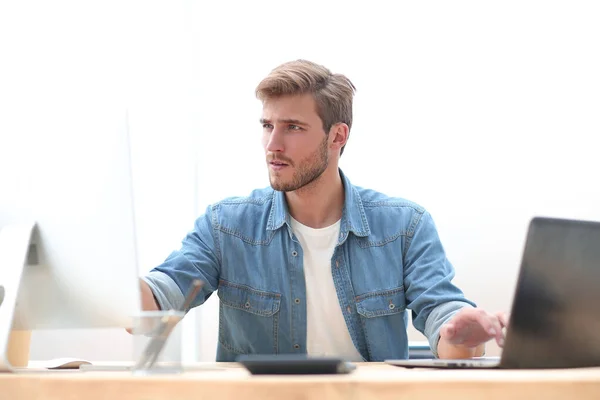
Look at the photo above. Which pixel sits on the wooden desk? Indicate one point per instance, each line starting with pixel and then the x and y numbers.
pixel 369 381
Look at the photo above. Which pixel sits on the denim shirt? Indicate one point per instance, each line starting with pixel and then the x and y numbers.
pixel 388 259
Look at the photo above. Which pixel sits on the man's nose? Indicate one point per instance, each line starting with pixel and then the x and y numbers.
pixel 275 141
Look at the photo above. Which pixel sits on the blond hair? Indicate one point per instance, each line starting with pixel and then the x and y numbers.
pixel 333 93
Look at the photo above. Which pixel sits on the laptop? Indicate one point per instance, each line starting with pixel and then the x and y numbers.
pixel 555 317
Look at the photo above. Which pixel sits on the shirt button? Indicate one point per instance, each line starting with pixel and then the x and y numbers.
pixel 294 253
pixel 337 263
pixel 391 306
pixel 296 346
pixel 297 301
pixel 348 309
pixel 247 305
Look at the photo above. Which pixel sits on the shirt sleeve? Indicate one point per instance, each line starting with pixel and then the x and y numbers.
pixel 428 274
pixel 198 258
pixel 166 292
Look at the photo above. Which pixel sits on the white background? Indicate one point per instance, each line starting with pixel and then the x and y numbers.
pixel 484 113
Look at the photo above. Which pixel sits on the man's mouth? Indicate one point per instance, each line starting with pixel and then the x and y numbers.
pixel 277 165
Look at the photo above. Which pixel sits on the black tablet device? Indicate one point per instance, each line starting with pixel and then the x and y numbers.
pixel 290 364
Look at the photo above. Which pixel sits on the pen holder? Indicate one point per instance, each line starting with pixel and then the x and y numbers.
pixel 157 342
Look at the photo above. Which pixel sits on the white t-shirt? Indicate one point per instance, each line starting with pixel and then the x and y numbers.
pixel 326 331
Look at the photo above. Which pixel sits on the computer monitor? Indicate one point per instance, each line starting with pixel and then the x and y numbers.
pixel 68 177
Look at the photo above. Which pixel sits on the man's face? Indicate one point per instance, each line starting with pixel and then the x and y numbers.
pixel 295 143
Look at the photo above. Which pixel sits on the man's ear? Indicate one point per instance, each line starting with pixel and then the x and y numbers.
pixel 338 135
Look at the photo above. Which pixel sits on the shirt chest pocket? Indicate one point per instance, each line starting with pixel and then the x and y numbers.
pixel 380 304
pixel 248 319
pixel 384 318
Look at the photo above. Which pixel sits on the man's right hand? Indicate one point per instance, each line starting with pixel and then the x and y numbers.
pixel 148 302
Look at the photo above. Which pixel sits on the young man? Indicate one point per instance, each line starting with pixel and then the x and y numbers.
pixel 314 264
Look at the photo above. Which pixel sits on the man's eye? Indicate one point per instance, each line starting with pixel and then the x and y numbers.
pixel 295 128
pixel 267 126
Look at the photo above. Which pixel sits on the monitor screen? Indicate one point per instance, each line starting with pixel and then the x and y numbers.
pixel 70 174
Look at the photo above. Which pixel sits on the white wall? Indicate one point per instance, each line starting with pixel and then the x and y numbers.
pixel 484 113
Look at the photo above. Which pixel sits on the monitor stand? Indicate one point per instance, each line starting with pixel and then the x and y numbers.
pixel 14 251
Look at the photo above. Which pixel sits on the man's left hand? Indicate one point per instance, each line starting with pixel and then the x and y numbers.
pixel 469 330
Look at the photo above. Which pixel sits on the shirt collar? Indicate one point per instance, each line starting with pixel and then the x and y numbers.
pixel 353 214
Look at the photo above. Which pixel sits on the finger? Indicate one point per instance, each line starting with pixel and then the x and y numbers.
pixel 491 324
pixel 448 331
pixel 498 325
pixel 503 318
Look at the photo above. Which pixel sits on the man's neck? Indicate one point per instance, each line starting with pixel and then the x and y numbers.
pixel 320 203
